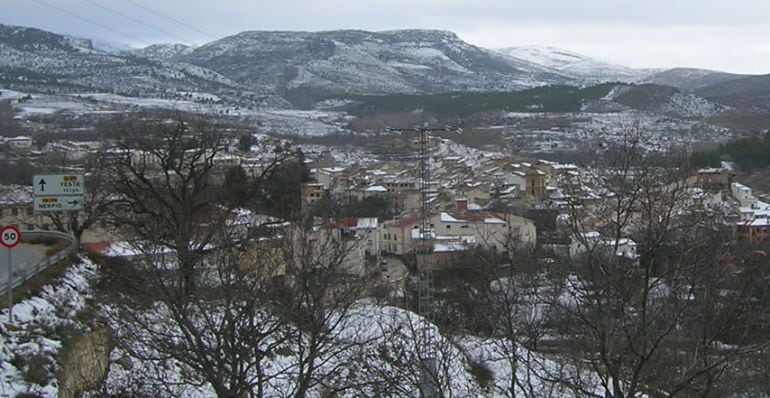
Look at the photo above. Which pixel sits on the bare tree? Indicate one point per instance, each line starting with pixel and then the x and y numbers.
pixel 8 124
pixel 218 302
pixel 641 311
pixel 223 334
pixel 97 200
pixel 323 284
pixel 505 300
pixel 162 174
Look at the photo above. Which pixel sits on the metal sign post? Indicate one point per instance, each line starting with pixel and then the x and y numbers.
pixel 10 236
pixel 10 289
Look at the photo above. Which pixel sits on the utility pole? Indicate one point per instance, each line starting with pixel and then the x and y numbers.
pixel 426 347
pixel 428 367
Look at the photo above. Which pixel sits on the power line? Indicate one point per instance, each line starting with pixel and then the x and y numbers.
pixel 130 18
pixel 82 18
pixel 172 19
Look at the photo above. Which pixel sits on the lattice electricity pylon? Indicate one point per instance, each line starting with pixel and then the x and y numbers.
pixel 427 349
pixel 426 346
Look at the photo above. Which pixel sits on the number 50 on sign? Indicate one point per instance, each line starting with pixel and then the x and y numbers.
pixel 10 236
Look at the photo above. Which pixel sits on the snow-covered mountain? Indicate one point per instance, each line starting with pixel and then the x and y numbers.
pixel 285 69
pixel 109 46
pixel 573 65
pixel 39 61
pixel 691 79
pixel 665 100
pixel 400 61
pixel 162 51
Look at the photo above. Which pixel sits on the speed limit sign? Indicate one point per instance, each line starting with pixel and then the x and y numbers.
pixel 10 236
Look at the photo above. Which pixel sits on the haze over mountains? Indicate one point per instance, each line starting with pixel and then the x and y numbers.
pixel 288 69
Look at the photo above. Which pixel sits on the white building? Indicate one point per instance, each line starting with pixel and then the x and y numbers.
pixel 743 195
pixel 592 241
pixel 20 142
pixel 494 231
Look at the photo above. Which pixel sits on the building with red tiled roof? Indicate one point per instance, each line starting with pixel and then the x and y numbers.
pixel 756 230
pixel 495 231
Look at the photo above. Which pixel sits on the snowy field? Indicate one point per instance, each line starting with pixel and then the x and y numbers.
pixel 386 348
pixel 281 121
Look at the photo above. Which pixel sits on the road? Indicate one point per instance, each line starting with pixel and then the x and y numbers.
pixel 394 271
pixel 24 256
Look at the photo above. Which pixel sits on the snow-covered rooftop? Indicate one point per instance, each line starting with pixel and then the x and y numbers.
pixel 376 188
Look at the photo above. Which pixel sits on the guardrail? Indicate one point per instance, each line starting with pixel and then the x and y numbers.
pixel 30 272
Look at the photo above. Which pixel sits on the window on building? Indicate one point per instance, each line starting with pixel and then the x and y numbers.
pixel 14 212
pixel 29 211
pixel 448 227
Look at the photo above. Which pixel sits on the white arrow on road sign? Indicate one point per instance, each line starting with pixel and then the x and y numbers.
pixel 58 203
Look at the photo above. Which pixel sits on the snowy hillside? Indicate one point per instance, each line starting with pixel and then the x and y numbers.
pixel 691 79
pixel 35 60
pixel 29 349
pixel 111 46
pixel 383 362
pixel 403 61
pixel 573 64
pixel 162 51
pixel 665 100
pixel 258 69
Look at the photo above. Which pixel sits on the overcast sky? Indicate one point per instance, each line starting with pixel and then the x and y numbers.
pixel 733 36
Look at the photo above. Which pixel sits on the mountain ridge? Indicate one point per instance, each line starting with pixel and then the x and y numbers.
pixel 408 61
pixel 575 65
pixel 289 68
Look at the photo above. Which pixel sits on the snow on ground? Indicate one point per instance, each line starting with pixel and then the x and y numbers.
pixel 293 122
pixel 145 102
pixel 406 65
pixel 385 348
pixel 343 156
pixel 6 94
pixel 42 104
pixel 302 123
pixel 431 55
pixel 472 156
pixel 615 93
pixel 199 96
pixel 35 333
pixel 692 106
pixel 524 115
pixel 332 103
pixel 531 369
pixel 375 344
pixel 573 64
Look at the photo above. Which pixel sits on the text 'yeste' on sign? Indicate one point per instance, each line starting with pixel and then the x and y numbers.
pixel 58 184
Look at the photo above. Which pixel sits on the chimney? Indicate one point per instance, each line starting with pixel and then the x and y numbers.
pixel 461 204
